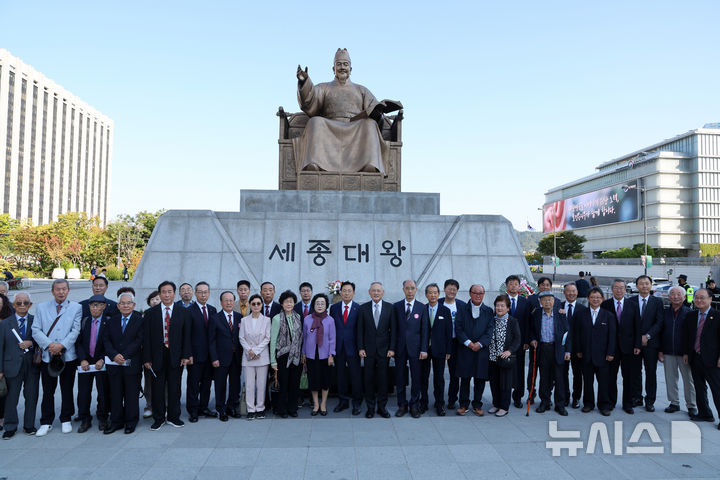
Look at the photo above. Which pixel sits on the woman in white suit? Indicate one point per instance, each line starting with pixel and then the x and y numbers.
pixel 255 339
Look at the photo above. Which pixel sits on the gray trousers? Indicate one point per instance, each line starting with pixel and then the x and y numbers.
pixel 27 381
pixel 672 364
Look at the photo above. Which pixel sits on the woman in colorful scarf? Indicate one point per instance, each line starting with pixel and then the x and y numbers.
pixel 319 350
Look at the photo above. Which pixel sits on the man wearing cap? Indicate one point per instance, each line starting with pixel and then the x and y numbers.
pixel 55 330
pixel 17 367
pixel 689 291
pixel 123 340
pixel 91 355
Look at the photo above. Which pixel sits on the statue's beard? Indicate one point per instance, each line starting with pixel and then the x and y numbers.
pixel 342 75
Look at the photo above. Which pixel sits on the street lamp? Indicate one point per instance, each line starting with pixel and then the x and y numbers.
pixel 554 243
pixel 640 185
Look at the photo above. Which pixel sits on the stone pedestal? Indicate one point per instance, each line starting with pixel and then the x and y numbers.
pixel 292 236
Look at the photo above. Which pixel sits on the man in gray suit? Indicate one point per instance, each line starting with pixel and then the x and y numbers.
pixel 55 330
pixel 17 367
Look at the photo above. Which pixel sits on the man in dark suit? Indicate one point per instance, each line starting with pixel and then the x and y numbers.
pixel 572 310
pixel 303 306
pixel 457 308
pixel 123 339
pixel 650 312
pixel 270 307
pixel 347 363
pixel 474 332
pixel 225 355
pixel 520 309
pixel 91 355
pixel 701 340
pixel 595 334
pixel 413 333
pixel 166 349
pixel 376 339
pixel 99 287
pixel 627 350
pixel 199 372
pixel 549 334
pixel 17 368
pixel 439 348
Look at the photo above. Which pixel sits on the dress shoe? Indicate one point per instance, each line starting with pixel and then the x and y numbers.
pixel 629 410
pixel 562 411
pixel 383 413
pixel 193 419
pixel 209 413
pixel 587 409
pixel 84 427
pixel 479 412
pixel 672 408
pixel 66 427
pixel 314 413
pixel 234 413
pixel 356 411
pixel 461 411
pixel 112 429
pixel 295 414
pixel 30 431
pixel 650 408
pixel 223 417
pixel 415 413
pixel 692 411
pixel 129 430
pixel 370 413
pixel 638 402
pixel 440 411
pixel 605 413
pixel 8 434
pixel 542 408
pixel 501 413
pixel 401 411
pixel 518 404
pixel 703 418
pixel 340 407
pixel 102 425
pixel 283 415
pixel 323 413
pixel 156 425
pixel 575 404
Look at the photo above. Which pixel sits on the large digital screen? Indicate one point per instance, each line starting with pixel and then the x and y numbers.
pixel 619 203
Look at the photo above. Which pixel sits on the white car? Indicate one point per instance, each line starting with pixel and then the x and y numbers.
pixel 631 288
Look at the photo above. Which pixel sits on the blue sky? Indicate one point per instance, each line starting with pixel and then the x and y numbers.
pixel 503 100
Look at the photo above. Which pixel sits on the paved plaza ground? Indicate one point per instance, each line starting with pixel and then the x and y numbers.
pixel 340 446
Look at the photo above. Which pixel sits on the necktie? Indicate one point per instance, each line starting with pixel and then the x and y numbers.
pixel 570 310
pixel 512 307
pixel 306 311
pixel 644 303
pixel 21 325
pixel 408 311
pixel 230 321
pixel 700 326
pixel 376 314
pixel 166 330
pixel 124 324
pixel 205 316
pixel 432 316
pixel 58 307
pixel 267 311
pixel 93 336
pixel 618 311
pixel 345 314
pixel 594 316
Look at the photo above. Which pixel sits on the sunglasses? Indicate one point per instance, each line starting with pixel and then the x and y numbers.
pixel 255 304
pixel 22 303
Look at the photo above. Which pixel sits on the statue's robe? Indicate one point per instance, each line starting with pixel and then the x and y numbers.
pixel 331 140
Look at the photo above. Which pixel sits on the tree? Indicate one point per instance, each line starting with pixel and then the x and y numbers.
pixel 568 244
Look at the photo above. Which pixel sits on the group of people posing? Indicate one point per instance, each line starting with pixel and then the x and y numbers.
pixel 368 348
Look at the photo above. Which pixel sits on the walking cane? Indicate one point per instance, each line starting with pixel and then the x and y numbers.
pixel 532 387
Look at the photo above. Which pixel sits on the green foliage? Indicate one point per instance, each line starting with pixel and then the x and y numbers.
pixel 568 244
pixel 529 240
pixel 533 258
pixel 709 249
pixel 113 273
pixel 619 253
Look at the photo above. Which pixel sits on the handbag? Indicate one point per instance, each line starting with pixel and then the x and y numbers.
pixel 37 356
pixel 506 363
pixel 304 385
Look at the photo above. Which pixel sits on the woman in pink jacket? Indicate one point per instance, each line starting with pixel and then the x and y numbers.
pixel 255 339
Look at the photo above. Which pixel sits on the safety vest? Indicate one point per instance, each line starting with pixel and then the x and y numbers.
pixel 689 294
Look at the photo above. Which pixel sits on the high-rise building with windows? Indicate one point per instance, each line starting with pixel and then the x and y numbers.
pixel 57 153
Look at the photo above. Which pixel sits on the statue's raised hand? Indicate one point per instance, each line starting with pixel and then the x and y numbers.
pixel 302 75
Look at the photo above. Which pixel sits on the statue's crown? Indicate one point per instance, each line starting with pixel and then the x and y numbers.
pixel 342 53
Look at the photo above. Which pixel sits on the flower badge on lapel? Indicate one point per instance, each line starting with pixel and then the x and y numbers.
pixel 417 316
pixel 441 317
